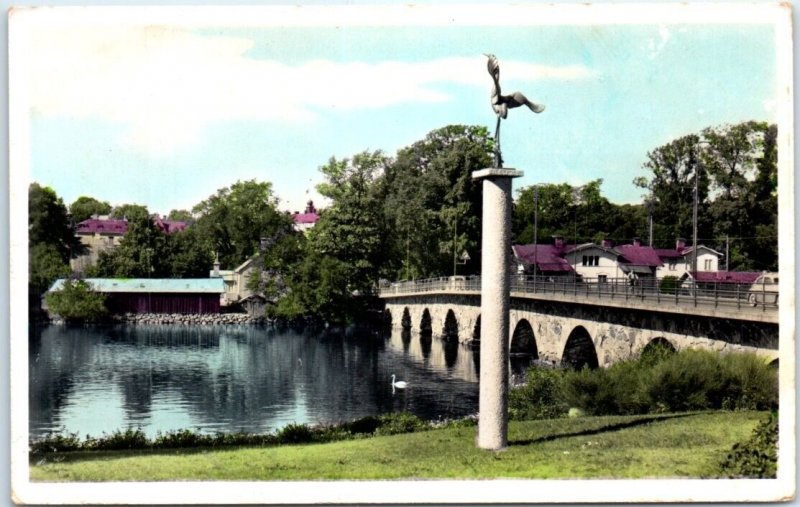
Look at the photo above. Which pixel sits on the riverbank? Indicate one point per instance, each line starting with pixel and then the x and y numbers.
pixel 689 445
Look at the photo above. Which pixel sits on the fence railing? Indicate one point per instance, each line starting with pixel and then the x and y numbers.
pixel 706 294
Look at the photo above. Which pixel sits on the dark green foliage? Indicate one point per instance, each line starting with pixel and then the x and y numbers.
pixel 394 423
pixel 661 380
pixel 51 240
pixel 387 424
pixel 84 207
pixel 697 379
pixel 77 302
pixel 669 285
pixel 295 434
pixel 131 212
pixel 541 397
pixel 758 457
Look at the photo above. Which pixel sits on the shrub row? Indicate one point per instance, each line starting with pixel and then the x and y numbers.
pixel 758 457
pixel 387 424
pixel 659 381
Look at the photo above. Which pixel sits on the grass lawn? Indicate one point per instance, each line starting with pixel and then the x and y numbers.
pixel 670 445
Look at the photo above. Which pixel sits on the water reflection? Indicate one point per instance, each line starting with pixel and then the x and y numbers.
pixel 94 380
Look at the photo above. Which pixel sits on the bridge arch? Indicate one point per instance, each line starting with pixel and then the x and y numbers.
pixel 658 343
pixel 450 329
pixel 426 323
pixel 405 321
pixel 579 351
pixel 523 341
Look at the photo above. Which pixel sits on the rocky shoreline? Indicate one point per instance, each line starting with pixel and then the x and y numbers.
pixel 209 319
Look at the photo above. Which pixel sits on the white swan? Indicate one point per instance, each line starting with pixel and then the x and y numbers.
pixel 400 384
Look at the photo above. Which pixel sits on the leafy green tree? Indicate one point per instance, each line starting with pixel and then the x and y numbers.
pixel 131 212
pixel 51 242
pixel 432 204
pixel 142 253
pixel 352 229
pixel 180 215
pixel 234 220
pixel 77 302
pixel 674 167
pixel 48 221
pixel 45 265
pixel 84 207
pixel 189 255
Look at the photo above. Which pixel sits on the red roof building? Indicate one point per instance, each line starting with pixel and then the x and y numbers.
pixel 307 219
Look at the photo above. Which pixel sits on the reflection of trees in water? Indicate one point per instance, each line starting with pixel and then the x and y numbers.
pixel 226 379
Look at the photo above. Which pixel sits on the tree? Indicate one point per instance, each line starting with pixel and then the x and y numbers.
pixel 131 212
pixel 77 302
pixel 736 166
pixel 84 207
pixel 180 215
pixel 142 253
pixel 432 205
pixel 48 221
pixel 674 167
pixel 352 229
pixel 51 242
pixel 234 220
pixel 189 255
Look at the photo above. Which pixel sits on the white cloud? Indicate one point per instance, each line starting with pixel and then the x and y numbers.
pixel 165 85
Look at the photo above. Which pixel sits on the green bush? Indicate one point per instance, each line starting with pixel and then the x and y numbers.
pixel 660 380
pixel 758 457
pixel 541 397
pixel 77 302
pixel 295 434
pixel 669 284
pixel 690 380
pixel 751 384
pixel 394 423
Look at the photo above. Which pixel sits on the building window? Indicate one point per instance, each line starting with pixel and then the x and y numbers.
pixel 707 265
pixel 591 260
pixel 672 265
pixel 602 278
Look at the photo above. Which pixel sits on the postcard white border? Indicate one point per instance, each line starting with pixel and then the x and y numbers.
pixel 445 492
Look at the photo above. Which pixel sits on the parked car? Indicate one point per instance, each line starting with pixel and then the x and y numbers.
pixel 764 290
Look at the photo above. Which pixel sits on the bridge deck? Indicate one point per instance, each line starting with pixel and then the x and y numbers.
pixel 717 304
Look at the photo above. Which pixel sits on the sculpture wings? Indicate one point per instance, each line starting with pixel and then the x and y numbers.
pixel 502 103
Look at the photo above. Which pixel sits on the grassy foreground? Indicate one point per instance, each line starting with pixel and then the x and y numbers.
pixel 645 446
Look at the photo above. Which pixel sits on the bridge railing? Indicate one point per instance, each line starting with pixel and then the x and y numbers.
pixel 711 294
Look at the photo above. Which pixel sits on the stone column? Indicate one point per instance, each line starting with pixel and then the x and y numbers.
pixel 495 291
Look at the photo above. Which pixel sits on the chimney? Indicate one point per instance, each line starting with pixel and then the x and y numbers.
pixel 310 207
pixel 637 242
pixel 607 243
pixel 680 244
pixel 558 241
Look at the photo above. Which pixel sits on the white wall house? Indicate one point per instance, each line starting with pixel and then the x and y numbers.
pixel 235 281
pixel 594 261
pixel 678 262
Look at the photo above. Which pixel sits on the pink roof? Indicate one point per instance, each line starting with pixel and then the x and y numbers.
pixel 727 276
pixel 305 218
pixel 639 255
pixel 669 253
pixel 547 257
pixel 168 226
pixel 114 227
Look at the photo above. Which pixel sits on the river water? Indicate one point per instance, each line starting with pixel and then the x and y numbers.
pixel 93 380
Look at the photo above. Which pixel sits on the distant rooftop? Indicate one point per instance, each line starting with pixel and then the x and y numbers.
pixel 309 216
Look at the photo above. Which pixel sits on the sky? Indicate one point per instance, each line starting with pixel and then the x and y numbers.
pixel 165 112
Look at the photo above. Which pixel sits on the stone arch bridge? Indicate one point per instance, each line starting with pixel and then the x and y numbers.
pixel 576 330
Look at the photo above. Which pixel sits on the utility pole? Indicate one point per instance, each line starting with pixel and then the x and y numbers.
pixel 727 252
pixel 694 226
pixel 455 233
pixel 535 233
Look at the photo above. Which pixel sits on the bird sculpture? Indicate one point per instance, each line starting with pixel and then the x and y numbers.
pixel 502 103
pixel 400 384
